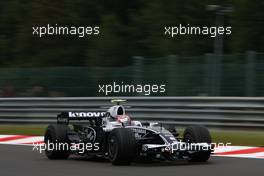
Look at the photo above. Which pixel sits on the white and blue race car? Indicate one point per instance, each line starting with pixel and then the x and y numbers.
pixel 115 136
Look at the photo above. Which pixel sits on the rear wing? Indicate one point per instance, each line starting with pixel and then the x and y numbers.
pixel 93 117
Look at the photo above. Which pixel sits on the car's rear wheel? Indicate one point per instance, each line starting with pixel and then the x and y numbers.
pixel 121 146
pixel 198 134
pixel 56 141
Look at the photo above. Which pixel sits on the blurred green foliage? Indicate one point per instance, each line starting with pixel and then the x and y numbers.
pixel 128 28
pixel 182 75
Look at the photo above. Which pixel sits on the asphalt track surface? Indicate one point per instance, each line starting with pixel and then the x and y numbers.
pixel 21 160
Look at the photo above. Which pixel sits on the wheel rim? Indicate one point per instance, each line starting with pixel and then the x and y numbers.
pixel 112 147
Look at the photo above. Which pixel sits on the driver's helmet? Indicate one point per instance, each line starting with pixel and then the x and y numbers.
pixel 115 111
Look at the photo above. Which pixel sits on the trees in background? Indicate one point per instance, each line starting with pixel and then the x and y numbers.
pixel 127 28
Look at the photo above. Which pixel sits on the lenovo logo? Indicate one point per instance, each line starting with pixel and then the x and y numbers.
pixel 86 114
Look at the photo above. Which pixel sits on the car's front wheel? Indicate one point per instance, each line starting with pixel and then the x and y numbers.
pixel 121 146
pixel 198 134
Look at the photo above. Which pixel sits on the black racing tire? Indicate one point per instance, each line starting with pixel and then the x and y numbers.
pixel 198 134
pixel 121 146
pixel 57 134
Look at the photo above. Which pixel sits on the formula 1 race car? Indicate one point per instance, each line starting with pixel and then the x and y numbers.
pixel 114 136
